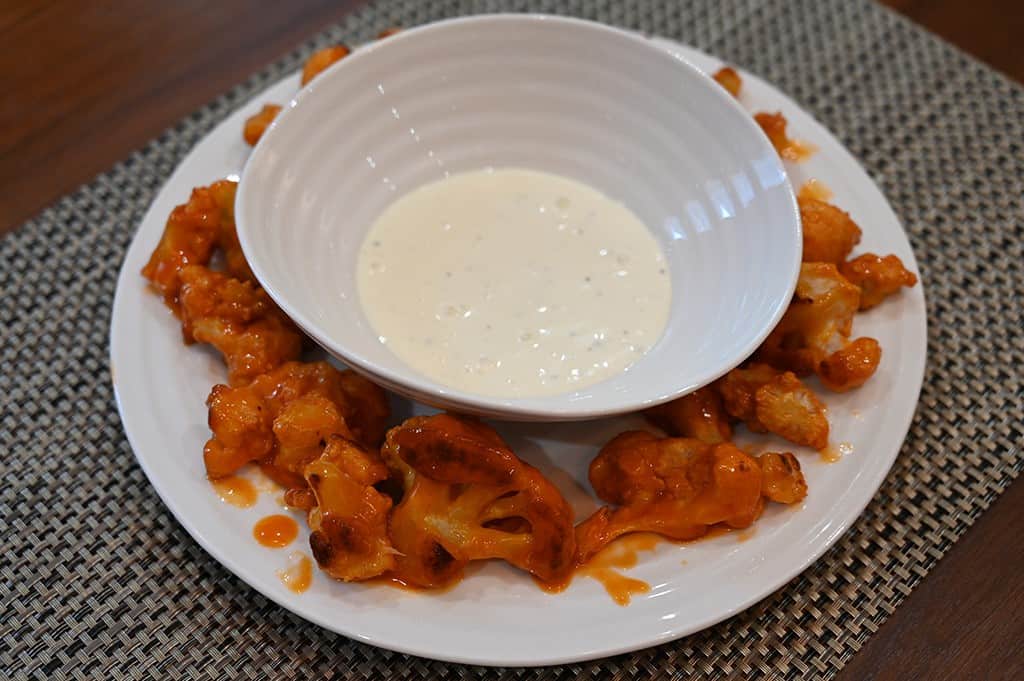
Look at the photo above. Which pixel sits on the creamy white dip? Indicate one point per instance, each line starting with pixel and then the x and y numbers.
pixel 513 283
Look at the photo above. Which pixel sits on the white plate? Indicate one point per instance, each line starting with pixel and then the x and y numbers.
pixel 497 615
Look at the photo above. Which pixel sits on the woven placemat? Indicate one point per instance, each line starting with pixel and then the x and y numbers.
pixel 99 581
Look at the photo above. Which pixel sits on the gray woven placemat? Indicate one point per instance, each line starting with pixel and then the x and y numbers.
pixel 99 581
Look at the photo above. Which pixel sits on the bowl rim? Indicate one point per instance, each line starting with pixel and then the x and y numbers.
pixel 551 408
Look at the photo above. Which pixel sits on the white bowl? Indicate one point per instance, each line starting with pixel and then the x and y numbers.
pixel 560 95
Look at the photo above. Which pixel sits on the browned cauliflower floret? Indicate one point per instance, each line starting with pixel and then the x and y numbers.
pixel 192 232
pixel 239 319
pixel 678 488
pixel 698 415
pixel 675 486
pixel 781 478
pixel 349 517
pixel 769 400
pixel 283 418
pixel 850 366
pixel 814 334
pixel 774 127
pixel 829 234
pixel 878 277
pixel 467 497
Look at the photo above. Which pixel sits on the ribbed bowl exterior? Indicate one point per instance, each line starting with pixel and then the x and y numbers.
pixel 565 96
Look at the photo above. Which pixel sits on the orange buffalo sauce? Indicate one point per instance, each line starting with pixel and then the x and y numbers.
pixel 275 531
pixel 832 453
pixel 236 491
pixel 774 126
pixel 397 583
pixel 622 553
pixel 716 530
pixel 391 580
pixel 620 587
pixel 745 535
pixel 798 151
pixel 299 575
pixel 829 454
pixel 814 189
pixel 603 568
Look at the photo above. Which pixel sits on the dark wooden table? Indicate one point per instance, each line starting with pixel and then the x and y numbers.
pixel 70 68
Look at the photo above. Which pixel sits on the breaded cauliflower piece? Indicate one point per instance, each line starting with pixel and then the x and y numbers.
pixel 349 517
pixel 814 334
pixel 239 319
pixel 774 401
pixel 467 497
pixel 190 236
pixel 283 418
pixel 678 488
pixel 698 415
pixel 878 277
pixel 829 233
pixel 781 478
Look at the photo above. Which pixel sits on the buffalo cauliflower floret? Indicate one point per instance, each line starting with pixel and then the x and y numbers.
pixel 283 419
pixel 467 497
pixel 878 277
pixel 239 319
pixel 814 334
pixel 773 401
pixel 190 236
pixel 829 234
pixel 781 478
pixel 678 488
pixel 698 415
pixel 348 516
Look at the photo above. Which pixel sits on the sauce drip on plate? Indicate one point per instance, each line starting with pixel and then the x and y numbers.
pixel 235 490
pixel 834 453
pixel 275 531
pixel 798 151
pixel 604 568
pixel 814 189
pixel 299 575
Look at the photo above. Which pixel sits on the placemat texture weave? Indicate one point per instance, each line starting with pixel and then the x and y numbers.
pixel 97 579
